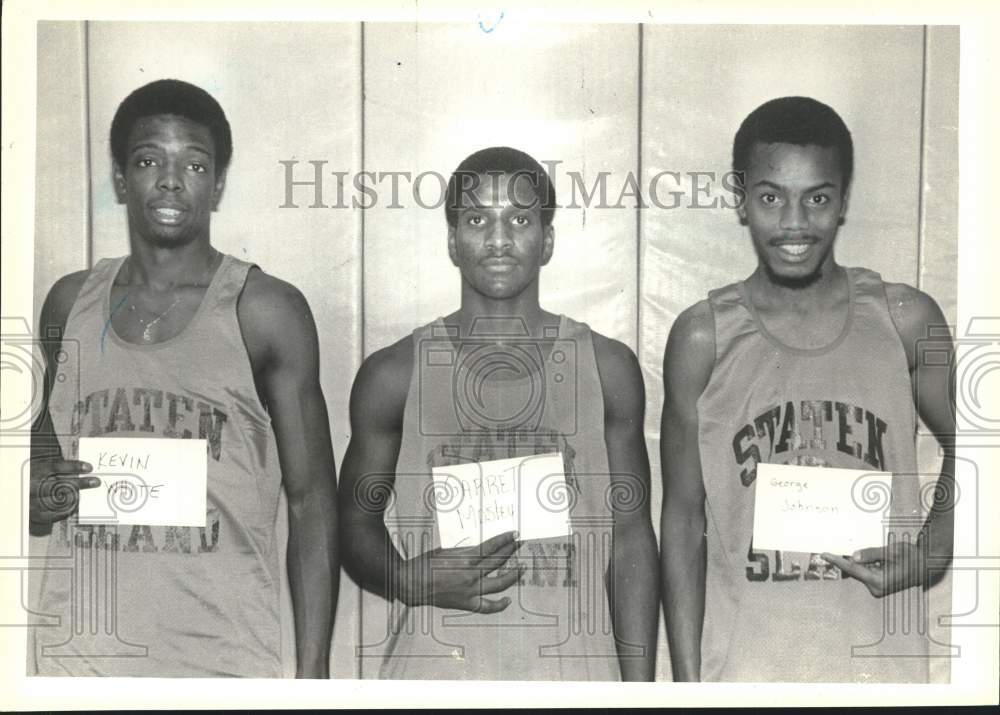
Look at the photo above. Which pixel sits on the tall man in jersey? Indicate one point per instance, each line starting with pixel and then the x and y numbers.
pixel 806 362
pixel 177 340
pixel 499 379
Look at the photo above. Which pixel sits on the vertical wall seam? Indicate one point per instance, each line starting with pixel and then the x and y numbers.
pixel 921 218
pixel 638 209
pixel 361 254
pixel 360 623
pixel 88 209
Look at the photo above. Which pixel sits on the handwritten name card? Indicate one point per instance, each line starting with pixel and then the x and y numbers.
pixel 475 502
pixel 160 482
pixel 818 509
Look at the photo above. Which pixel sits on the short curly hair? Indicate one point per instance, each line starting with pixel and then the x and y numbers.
pixel 802 121
pixel 493 161
pixel 171 96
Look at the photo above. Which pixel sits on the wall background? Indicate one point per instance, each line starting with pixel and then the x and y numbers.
pixel 419 97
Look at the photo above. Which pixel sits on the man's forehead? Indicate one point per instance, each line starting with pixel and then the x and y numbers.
pixel 782 159
pixel 171 127
pixel 498 189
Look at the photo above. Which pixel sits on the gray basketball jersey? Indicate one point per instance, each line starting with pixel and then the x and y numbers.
pixel 166 600
pixel 790 616
pixel 472 402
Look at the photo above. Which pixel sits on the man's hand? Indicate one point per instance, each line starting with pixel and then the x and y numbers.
pixel 885 569
pixel 459 578
pixel 54 491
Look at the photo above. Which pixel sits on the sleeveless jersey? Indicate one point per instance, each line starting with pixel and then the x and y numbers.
pixel 460 409
pixel 162 600
pixel 790 616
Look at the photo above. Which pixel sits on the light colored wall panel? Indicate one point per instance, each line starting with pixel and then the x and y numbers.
pixel 939 215
pixel 282 103
pixel 699 84
pixel 61 157
pixel 436 93
pixel 938 272
pixel 61 178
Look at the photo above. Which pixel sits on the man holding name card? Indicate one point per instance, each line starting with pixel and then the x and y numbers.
pixel 495 489
pixel 208 368
pixel 814 365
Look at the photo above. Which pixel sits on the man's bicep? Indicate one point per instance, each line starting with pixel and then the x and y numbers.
pixel 376 406
pixel 687 366
pixel 926 336
pixel 285 346
pixel 624 409
pixel 50 329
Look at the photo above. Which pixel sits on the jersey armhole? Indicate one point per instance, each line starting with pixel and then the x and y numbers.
pixel 895 326
pixel 246 348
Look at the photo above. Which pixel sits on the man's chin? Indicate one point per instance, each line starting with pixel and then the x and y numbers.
pixel 792 282
pixel 170 240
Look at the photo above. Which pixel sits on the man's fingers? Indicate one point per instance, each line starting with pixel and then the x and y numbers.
pixel 71 466
pixel 859 571
pixel 57 493
pixel 489 605
pixel 498 559
pixel 490 546
pixel 501 581
pixel 870 556
pixel 58 488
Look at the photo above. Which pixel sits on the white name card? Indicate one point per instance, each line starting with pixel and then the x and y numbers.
pixel 817 509
pixel 160 482
pixel 475 502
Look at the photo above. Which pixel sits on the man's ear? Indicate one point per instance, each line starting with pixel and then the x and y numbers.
pixel 741 205
pixel 118 179
pixel 220 185
pixel 452 248
pixel 548 243
pixel 844 200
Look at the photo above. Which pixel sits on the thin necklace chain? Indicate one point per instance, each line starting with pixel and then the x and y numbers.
pixel 147 332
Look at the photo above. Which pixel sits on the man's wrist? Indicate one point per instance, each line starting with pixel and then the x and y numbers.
pixel 39 528
pixel 401 584
pixel 318 668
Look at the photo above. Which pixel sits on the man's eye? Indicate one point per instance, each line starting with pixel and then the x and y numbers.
pixel 768 199
pixel 145 162
pixel 819 199
pixel 196 167
pixel 476 220
pixel 520 221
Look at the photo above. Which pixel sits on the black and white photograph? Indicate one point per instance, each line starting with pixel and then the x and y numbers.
pixel 463 349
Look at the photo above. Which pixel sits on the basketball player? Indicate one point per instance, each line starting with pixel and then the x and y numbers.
pixel 177 340
pixel 502 378
pixel 806 362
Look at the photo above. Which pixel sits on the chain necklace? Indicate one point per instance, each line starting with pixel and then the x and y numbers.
pixel 147 332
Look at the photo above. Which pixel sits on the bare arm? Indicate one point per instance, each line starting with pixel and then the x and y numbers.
pixel 634 579
pixel 450 578
pixel 54 487
pixel 687 365
pixel 368 472
pixel 281 336
pixel 924 335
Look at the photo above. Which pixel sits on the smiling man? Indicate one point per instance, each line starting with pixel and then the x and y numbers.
pixel 808 363
pixel 491 387
pixel 179 341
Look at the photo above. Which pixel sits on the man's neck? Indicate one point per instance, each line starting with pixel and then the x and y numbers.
pixel 516 317
pixel 163 268
pixel 803 297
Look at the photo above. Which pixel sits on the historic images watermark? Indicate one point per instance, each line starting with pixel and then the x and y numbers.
pixel 314 184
